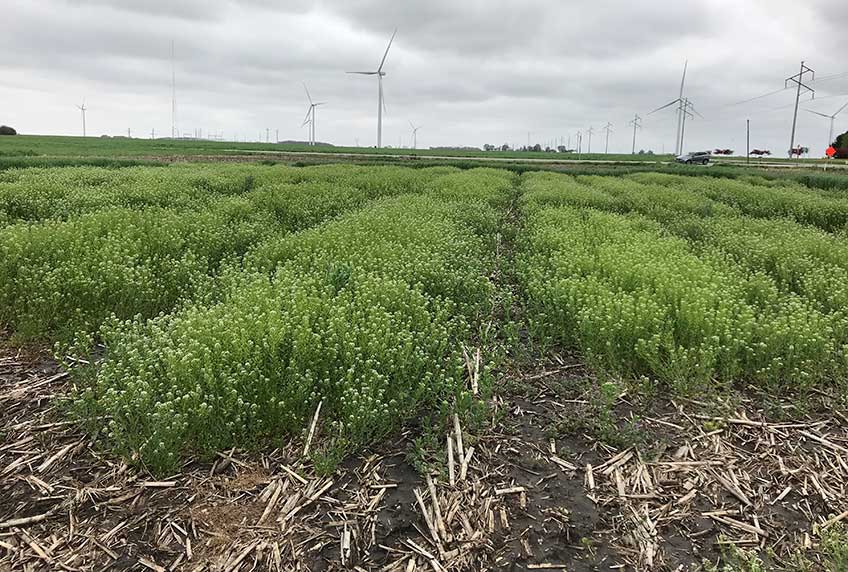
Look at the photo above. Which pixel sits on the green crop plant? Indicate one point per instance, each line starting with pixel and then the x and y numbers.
pixel 364 314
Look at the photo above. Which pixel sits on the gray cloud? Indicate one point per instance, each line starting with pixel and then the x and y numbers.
pixel 471 72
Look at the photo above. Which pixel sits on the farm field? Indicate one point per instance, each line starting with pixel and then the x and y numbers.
pixel 63 146
pixel 30 149
pixel 219 366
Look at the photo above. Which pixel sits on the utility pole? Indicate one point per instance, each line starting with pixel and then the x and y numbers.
pixel 608 129
pixel 267 135
pixel 636 122
pixel 568 146
pixel 153 133
pixel 173 95
pixel 748 142
pixel 589 143
pixel 129 133
pixel 277 136
pixel 798 79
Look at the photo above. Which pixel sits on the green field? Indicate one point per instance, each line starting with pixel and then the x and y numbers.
pixel 219 304
pixel 283 349
pixel 60 146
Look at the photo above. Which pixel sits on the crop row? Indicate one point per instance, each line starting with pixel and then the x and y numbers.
pixel 826 210
pixel 38 194
pixel 363 314
pixel 688 293
pixel 63 277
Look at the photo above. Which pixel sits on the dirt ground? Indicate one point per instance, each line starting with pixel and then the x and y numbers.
pixel 550 480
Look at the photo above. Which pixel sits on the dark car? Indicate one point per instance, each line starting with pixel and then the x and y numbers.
pixel 695 157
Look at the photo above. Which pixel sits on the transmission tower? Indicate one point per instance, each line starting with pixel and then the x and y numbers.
pixel 608 129
pixel 687 109
pixel 798 79
pixel 636 122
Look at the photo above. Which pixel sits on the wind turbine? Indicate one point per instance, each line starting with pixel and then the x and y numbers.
pixel 380 103
pixel 832 121
pixel 310 115
pixel 681 112
pixel 82 108
pixel 414 135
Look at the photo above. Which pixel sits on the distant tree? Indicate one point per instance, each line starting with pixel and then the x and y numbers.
pixel 561 149
pixel 641 152
pixel 841 141
pixel 505 147
pixel 488 147
pixel 841 145
pixel 6 130
pixel 537 148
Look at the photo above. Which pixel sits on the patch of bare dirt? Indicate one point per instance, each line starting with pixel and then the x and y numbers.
pixel 536 488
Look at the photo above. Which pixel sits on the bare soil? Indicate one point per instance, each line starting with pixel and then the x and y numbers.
pixel 542 489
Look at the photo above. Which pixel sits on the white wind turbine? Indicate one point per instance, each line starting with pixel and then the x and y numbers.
pixel 682 112
pixel 82 109
pixel 380 103
pixel 414 135
pixel 310 115
pixel 832 121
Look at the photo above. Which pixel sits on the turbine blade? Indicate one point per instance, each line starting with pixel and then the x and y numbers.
pixel 309 97
pixel 840 109
pixel 319 103
pixel 411 125
pixel 666 105
pixel 364 73
pixel 819 114
pixel 683 79
pixel 379 69
pixel 308 113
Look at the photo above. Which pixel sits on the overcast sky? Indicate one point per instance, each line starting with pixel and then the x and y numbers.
pixel 468 71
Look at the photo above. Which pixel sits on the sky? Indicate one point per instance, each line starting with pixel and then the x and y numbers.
pixel 469 72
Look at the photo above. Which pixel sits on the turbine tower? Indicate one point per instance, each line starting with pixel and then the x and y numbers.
pixel 414 135
pixel 681 112
pixel 832 121
pixel 310 115
pixel 82 108
pixel 380 103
